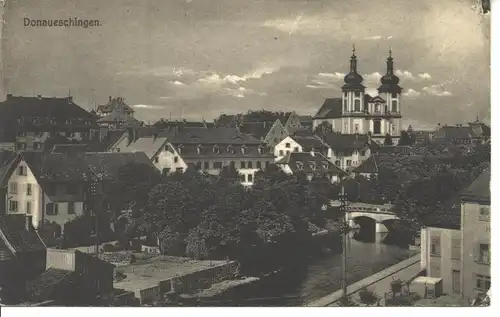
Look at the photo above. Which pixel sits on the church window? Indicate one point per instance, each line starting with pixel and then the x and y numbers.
pixel 394 106
pixel 356 128
pixel 376 127
pixel 345 106
pixel 377 107
pixel 358 94
pixel 345 94
pixel 357 105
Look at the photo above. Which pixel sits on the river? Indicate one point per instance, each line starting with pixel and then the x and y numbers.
pixel 319 275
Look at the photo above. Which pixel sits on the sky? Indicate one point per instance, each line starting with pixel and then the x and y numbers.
pixel 197 59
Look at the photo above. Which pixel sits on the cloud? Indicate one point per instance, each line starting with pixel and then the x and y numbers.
pixel 372 91
pixel 178 83
pixel 411 93
pixel 424 76
pixel 217 79
pixel 334 76
pixel 373 38
pixel 147 107
pixel 404 74
pixel 372 77
pixel 437 90
pixel 166 71
pixel 241 92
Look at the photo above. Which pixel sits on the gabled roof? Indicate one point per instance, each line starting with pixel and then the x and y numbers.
pixel 14 233
pixel 449 217
pixel 115 103
pixel 120 117
pixel 369 166
pixel 348 142
pixel 42 286
pixel 331 108
pixel 6 159
pixel 305 159
pixel 479 190
pixel 456 132
pixel 258 129
pixel 375 99
pixel 308 141
pixel 149 145
pixel 211 136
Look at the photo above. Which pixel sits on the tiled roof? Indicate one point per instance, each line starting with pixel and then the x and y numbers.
pixel 449 217
pixel 257 129
pixel 115 103
pixel 149 145
pixel 222 136
pixel 331 108
pixel 6 158
pixel 5 253
pixel 64 168
pixel 69 148
pixel 123 118
pixel 42 287
pixel 455 132
pixel 479 190
pixel 369 166
pixel 13 227
pixel 347 142
pixel 309 141
pixel 302 161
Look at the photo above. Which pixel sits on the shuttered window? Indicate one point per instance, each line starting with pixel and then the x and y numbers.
pixel 436 246
pixel 456 249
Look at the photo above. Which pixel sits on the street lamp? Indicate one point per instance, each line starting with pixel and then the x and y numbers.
pixel 344 230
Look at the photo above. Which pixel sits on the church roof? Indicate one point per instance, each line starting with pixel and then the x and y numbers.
pixel 114 103
pixel 331 108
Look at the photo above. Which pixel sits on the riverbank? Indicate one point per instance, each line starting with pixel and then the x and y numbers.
pixel 378 283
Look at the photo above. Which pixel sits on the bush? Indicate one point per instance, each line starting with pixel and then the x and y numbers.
pixel 346 301
pixel 108 248
pixel 136 245
pixel 367 297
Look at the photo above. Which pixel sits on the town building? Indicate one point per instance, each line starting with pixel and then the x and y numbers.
pixel 476 237
pixel 474 132
pixel 209 150
pixel 300 142
pixel 118 118
pixel 52 188
pixel 359 113
pixel 114 103
pixel 310 164
pixel 27 122
pixel 348 151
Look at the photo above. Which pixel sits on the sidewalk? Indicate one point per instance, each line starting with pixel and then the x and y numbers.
pixel 379 283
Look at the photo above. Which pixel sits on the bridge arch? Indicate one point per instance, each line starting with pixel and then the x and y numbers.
pixel 378 218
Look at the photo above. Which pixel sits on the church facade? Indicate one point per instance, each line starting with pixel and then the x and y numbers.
pixel 356 112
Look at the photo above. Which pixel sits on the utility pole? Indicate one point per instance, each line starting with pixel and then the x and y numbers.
pixel 95 192
pixel 344 230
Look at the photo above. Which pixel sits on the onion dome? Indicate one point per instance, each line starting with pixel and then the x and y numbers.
pixel 353 79
pixel 389 81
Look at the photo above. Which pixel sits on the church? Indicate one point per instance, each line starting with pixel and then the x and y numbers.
pixel 359 113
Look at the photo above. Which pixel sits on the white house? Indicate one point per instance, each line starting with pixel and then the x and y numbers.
pixel 300 142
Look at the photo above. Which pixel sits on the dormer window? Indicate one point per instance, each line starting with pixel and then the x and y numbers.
pixel 260 149
pixel 300 166
pixel 243 149
pixel 377 107
pixel 230 149
pixel 53 121
pixel 325 166
pixel 20 120
pixel 199 149
pixel 36 121
pixel 216 149
pixel 312 165
pixel 68 121
pixel 88 122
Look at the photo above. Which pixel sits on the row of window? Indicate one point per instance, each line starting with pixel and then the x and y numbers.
pixel 52 209
pixel 312 165
pixel 13 188
pixel 377 108
pixel 37 121
pixel 217 150
pixel 357 94
pixel 481 254
pixel 243 164
pixel 68 134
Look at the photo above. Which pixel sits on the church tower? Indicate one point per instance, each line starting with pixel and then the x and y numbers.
pixel 391 92
pixel 353 94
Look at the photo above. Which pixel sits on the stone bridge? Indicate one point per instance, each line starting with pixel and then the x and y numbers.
pixel 378 213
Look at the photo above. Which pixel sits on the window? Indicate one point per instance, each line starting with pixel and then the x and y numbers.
pixel 28 207
pixel 281 153
pixel 242 164
pixel 356 128
pixel 337 162
pixel 267 164
pixel 180 169
pixel 198 149
pixel 483 282
pixel 300 166
pixel 348 162
pixel 206 165
pixel 29 190
pixel 21 134
pixel 37 146
pixel 243 148
pixel 261 150
pixel 179 149
pixel 176 159
pixel 242 178
pixel 52 209
pixel 394 106
pixel 216 149
pixel 250 164
pixel 456 249
pixel 250 178
pixel 38 134
pixel 21 146
pixel 259 164
pixel 296 149
pixel 357 94
pixel 484 213
pixel 357 105
pixel 377 107
pixel 287 145
pixel 377 127
pixel 21 170
pixel 12 205
pixel 436 246
pixel 71 208
pixel 157 159
pixel 218 165
pixel 68 121
pixel 312 165
pixel 12 188
pixel 362 153
pixel 345 107
pixel 53 121
pixel 165 171
pixel 483 254
pixel 325 166
pixel 20 120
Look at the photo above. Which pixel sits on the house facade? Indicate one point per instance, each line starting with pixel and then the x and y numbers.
pixel 476 237
pixel 29 121
pixel 300 142
pixel 211 149
pixel 310 164
pixel 348 151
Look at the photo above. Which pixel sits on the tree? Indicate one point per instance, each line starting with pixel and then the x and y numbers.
pixel 405 139
pixel 323 129
pixel 388 139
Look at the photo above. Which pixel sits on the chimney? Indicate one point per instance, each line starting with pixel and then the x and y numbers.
pixel 9 96
pixel 39 96
pixel 110 98
pixel 70 99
